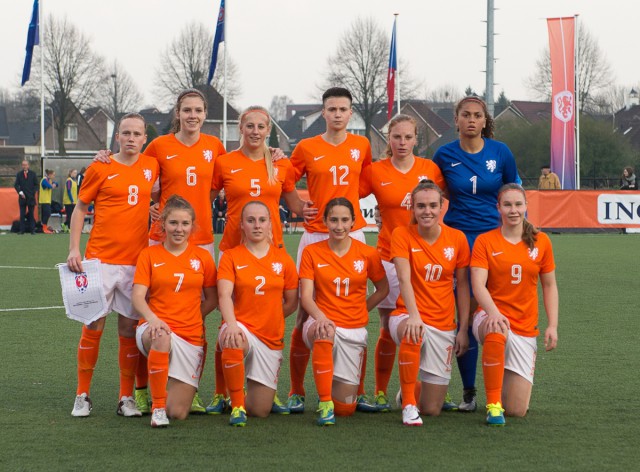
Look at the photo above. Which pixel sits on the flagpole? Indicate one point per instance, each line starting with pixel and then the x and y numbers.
pixel 576 50
pixel 398 62
pixel 224 75
pixel 43 144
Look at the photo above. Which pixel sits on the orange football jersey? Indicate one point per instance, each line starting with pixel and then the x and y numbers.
pixel 259 285
pixel 175 287
pixel 121 195
pixel 187 171
pixel 341 282
pixel 513 276
pixel 433 268
pixel 332 171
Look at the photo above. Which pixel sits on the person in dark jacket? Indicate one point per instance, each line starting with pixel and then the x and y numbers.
pixel 27 186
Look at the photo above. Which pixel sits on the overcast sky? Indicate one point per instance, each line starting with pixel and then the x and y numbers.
pixel 281 46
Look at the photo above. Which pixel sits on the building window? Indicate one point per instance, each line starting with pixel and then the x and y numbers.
pixel 71 132
pixel 233 132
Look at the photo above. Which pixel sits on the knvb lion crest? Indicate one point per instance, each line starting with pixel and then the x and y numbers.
pixel 449 252
pixel 491 165
pixel 195 264
pixel 355 154
pixel 563 106
pixel 147 174
pixel 277 267
pixel 82 283
pixel 533 253
pixel 208 154
pixel 358 266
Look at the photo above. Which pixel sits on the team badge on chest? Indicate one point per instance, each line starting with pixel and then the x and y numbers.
pixel 195 264
pixel 208 155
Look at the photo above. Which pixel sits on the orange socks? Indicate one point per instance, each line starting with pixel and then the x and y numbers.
pixel 128 356
pixel 343 409
pixel 385 357
pixel 233 361
pixel 221 385
pixel 493 365
pixel 298 360
pixel 408 367
pixel 158 377
pixel 322 363
pixel 88 349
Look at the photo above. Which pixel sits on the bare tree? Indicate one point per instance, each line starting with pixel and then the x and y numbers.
pixel 119 94
pixel 72 72
pixel 185 64
pixel 278 107
pixel 360 64
pixel 448 93
pixel 594 71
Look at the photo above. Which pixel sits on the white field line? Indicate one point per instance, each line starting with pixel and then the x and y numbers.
pixel 2 310
pixel 28 268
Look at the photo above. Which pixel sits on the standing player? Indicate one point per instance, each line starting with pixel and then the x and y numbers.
pixel 174 289
pixel 505 268
pixel 258 288
pixel 474 167
pixel 332 162
pixel 391 181
pixel 47 184
pixel 428 255
pixel 70 198
pixel 333 281
pixel 121 191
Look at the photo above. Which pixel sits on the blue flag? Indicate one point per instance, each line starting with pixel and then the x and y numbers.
pixel 33 38
pixel 217 39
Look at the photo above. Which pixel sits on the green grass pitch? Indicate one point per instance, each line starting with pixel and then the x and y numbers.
pixel 583 412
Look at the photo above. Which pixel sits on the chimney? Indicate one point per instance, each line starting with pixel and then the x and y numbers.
pixel 633 99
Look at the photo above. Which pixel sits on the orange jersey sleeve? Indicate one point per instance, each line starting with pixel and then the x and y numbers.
pixel 332 171
pixel 513 276
pixel 392 190
pixel 245 180
pixel 258 290
pixel 121 195
pixel 341 282
pixel 175 287
pixel 432 272
pixel 187 171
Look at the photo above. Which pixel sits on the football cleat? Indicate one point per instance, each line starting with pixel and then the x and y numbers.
pixel 382 402
pixel 278 407
pixel 238 417
pixel 449 404
pixel 411 416
pixel 82 406
pixel 127 407
pixel 495 414
pixel 468 403
pixel 197 407
pixel 296 403
pixel 219 404
pixel 364 404
pixel 159 418
pixel 326 417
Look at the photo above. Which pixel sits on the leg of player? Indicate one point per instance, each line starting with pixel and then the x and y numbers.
pixel 516 394
pixel 88 349
pixel 385 356
pixel 298 361
pixel 128 355
pixel 467 365
pixel 493 355
pixel 322 363
pixel 259 399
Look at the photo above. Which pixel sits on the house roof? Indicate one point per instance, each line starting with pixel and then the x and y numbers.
pixel 433 119
pixel 24 133
pixel 90 113
pixel 216 103
pixel 532 112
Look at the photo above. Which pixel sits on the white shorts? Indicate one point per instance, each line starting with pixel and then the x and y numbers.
pixel 348 351
pixel 118 285
pixel 519 352
pixel 185 359
pixel 261 364
pixel 207 247
pixel 310 238
pixel 436 351
pixel 394 286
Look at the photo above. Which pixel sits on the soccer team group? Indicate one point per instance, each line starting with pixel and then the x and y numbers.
pixel 482 263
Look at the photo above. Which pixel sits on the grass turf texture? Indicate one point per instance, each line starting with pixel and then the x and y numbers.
pixel 582 414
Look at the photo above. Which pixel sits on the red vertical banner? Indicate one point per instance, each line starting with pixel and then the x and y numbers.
pixel 563 99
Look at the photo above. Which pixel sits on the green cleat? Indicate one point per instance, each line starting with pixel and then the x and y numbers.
pixel 143 402
pixel 218 405
pixel 326 418
pixel 449 404
pixel 197 407
pixel 238 417
pixel 364 404
pixel 382 402
pixel 296 403
pixel 278 407
pixel 495 414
